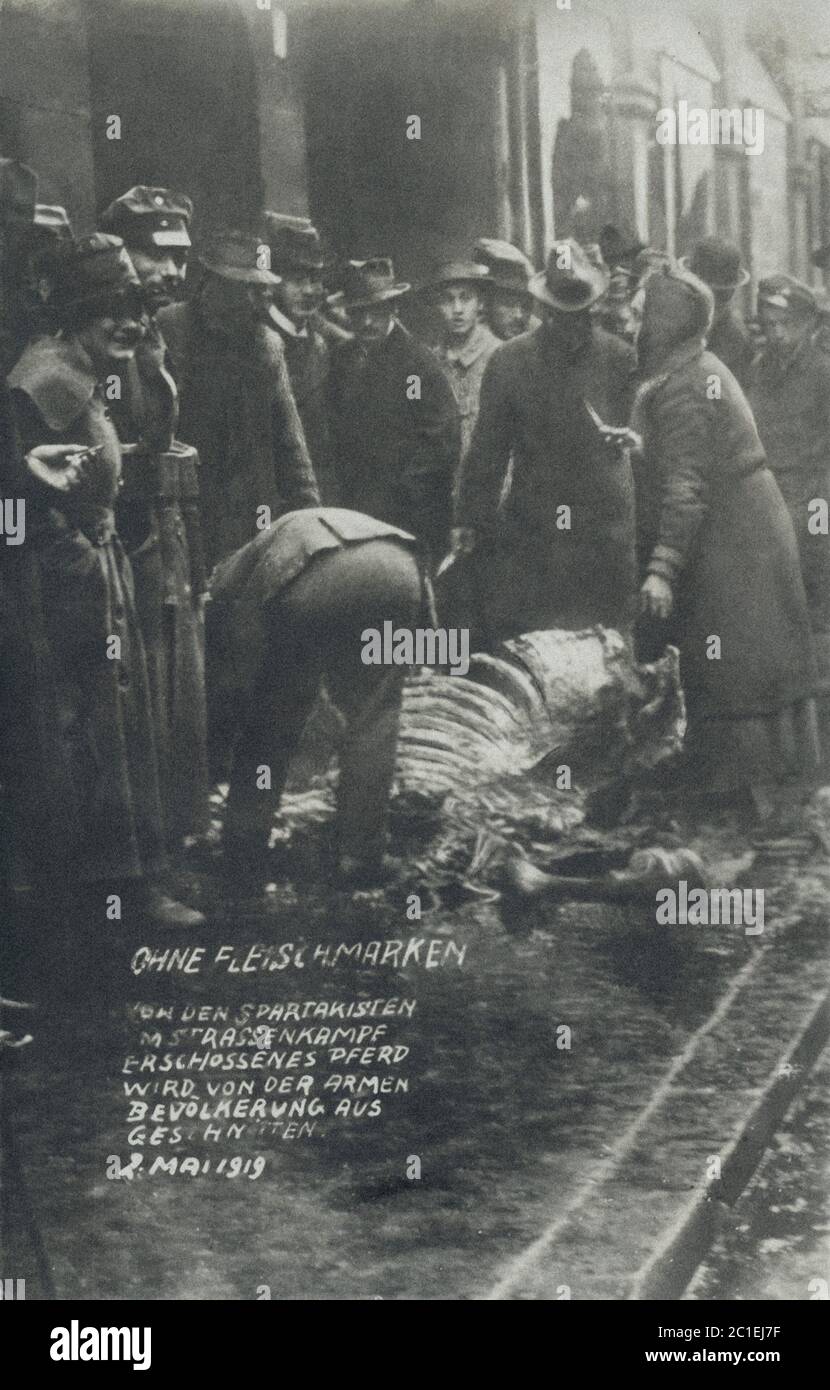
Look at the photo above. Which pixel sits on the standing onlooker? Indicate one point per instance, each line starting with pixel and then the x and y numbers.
pixel 718 264
pixel 558 549
pixel 157 512
pixel 394 417
pixel 237 406
pixel 297 259
pixel 790 397
pixel 467 344
pixel 510 303
pixel 97 809
pixel 720 560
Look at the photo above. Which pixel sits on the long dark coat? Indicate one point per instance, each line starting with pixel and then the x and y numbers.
pixel 91 805
pixel 712 521
pixel 238 411
pixel 157 515
pixel 729 340
pixel 535 566
pixel 395 454
pixel 792 412
pixel 307 356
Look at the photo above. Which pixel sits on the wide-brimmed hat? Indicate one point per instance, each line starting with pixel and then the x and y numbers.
pixel 95 272
pixel 295 243
pixel 718 262
pixel 240 256
pixel 368 282
pixel 569 282
pixel 785 292
pixel 508 267
pixel 18 193
pixel 150 219
pixel 459 273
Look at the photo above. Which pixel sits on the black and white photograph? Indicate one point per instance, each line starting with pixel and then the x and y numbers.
pixel 415 661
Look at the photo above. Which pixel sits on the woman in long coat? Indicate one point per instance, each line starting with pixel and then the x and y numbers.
pixel 93 813
pixel 720 558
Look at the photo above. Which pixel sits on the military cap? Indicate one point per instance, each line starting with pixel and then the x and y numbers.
pixel 96 270
pixel 460 273
pixel 368 282
pixel 295 243
pixel 509 268
pixel 18 193
pixel 152 219
pixel 785 292
pixel 238 255
pixel 52 222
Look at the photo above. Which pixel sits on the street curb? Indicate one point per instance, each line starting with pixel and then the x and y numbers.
pixel 668 1271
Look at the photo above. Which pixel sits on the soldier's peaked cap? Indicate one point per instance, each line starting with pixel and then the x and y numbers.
pixel 785 292
pixel 147 218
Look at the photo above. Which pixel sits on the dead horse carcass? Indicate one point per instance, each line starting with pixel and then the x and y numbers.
pixel 533 730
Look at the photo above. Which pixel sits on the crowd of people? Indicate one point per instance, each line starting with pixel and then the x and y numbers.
pixel 231 464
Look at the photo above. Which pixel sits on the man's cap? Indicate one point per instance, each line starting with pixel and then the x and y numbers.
pixel 151 219
pixel 51 221
pixel 368 282
pixel 459 273
pixel 18 193
pixel 238 255
pixel 95 271
pixel 718 262
pixel 508 267
pixel 295 243
pixel 569 282
pixel 785 292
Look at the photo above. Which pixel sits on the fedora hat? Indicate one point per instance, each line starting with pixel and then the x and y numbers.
pixel 237 255
pixel 718 262
pixel 459 273
pixel 368 282
pixel 508 267
pixel 295 243
pixel 570 282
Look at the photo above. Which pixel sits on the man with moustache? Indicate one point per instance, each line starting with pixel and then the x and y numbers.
pixel 297 259
pixel 395 420
pixel 556 547
pixel 157 511
pixel 467 344
pixel 99 825
pixel 509 302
